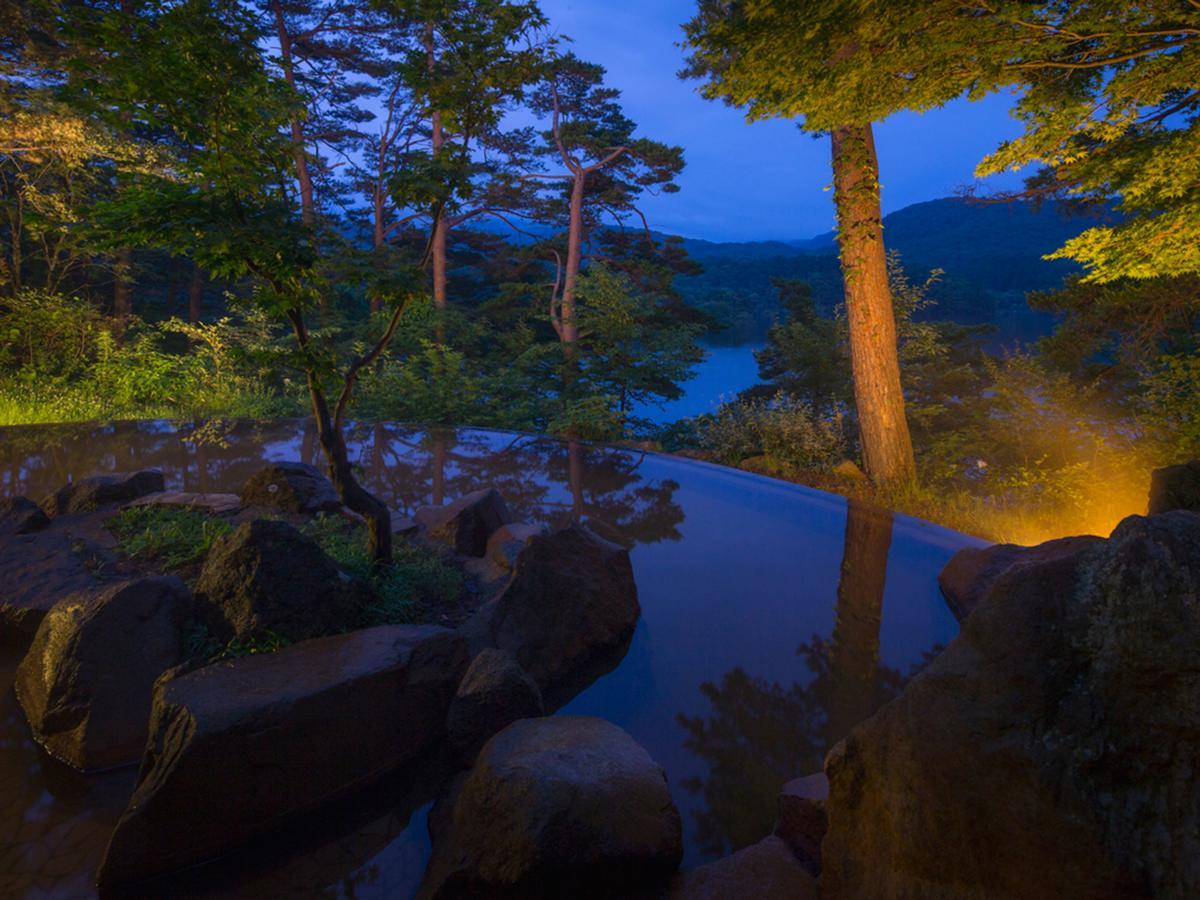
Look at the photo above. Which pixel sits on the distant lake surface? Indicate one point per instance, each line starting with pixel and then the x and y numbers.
pixel 725 372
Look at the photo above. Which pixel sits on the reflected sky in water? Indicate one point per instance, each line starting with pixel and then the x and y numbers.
pixel 773 619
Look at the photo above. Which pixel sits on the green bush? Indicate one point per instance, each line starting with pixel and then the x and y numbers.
pixel 784 430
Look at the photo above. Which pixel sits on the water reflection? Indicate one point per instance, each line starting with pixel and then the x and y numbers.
pixel 760 733
pixel 732 571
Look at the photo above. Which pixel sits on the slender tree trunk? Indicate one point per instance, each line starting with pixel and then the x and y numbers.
pixel 171 299
pixel 879 399
pixel 570 326
pixel 195 294
pixel 308 206
pixel 854 655
pixel 379 237
pixel 123 288
pixel 341 473
pixel 440 226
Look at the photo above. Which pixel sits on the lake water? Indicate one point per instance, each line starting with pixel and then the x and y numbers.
pixel 724 373
pixel 774 619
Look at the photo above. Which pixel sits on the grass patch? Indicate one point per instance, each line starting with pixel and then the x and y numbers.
pixel 171 536
pixel 417 581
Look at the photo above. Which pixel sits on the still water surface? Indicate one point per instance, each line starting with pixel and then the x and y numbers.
pixel 773 619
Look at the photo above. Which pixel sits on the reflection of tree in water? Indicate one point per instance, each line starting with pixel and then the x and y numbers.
pixel 762 733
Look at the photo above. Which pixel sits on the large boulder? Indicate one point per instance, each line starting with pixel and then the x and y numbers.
pixel 291 486
pixel 87 680
pixel 558 806
pixel 974 572
pixel 1049 751
pixel 241 747
pixel 96 491
pixel 571 600
pixel 1175 487
pixel 37 571
pixel 767 870
pixel 20 515
pixel 266 576
pixel 494 693
pixel 466 524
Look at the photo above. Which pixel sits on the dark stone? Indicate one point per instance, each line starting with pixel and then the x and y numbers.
pixel 764 871
pixel 213 504
pixel 507 542
pixel 38 570
pixel 86 682
pixel 466 524
pixel 1175 487
pixel 973 573
pixel 1050 750
pixel 266 576
pixel 494 693
pixel 241 747
pixel 291 486
pixel 571 599
pixel 802 818
pixel 99 490
pixel 559 806
pixel 20 515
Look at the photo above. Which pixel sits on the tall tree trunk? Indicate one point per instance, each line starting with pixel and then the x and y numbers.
pixel 123 288
pixel 570 326
pixel 195 294
pixel 854 655
pixel 883 429
pixel 439 227
pixel 171 299
pixel 308 206
pixel 379 236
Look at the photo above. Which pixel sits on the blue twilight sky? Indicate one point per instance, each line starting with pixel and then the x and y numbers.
pixel 766 180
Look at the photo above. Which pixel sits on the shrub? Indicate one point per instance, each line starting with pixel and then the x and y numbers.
pixel 417 581
pixel 783 430
pixel 172 537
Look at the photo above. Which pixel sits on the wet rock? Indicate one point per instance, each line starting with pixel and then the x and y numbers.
pixel 291 486
pixel 38 570
pixel 86 682
pixel 494 693
pixel 974 573
pixel 507 542
pixel 213 504
pixel 802 818
pixel 571 599
pixel 99 490
pixel 764 871
pixel 1049 751
pixel 266 576
pixel 1175 487
pixel 466 524
pixel 20 515
pixel 241 747
pixel 560 806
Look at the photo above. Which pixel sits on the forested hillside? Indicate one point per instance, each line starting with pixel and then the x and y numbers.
pixel 990 254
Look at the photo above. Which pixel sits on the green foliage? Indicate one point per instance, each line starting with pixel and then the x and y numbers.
pixel 169 536
pixel 786 432
pixel 199 644
pixel 417 582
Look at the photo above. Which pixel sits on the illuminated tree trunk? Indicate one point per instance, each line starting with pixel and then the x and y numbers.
pixel 883 430
pixel 854 655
